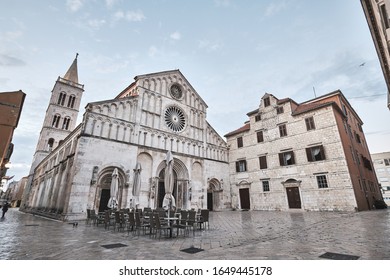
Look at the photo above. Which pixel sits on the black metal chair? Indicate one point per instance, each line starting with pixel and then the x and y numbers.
pixel 191 221
pixel 204 218
pixel 131 225
pixel 139 223
pixel 119 221
pixel 182 222
pixel 160 227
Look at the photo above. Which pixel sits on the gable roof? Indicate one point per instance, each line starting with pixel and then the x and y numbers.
pixel 303 108
pixel 163 73
pixel 244 128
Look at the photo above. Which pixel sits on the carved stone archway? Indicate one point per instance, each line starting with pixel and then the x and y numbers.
pixel 102 192
pixel 181 188
pixel 214 194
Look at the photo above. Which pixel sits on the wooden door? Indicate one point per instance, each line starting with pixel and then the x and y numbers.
pixel 294 199
pixel 245 199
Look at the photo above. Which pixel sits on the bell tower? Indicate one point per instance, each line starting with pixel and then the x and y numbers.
pixel 61 114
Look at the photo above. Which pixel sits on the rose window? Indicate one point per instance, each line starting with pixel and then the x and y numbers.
pixel 175 118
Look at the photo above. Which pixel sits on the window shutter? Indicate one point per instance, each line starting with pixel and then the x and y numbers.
pixel 260 137
pixel 263 162
pixel 308 154
pixel 281 161
pixel 237 166
pixel 292 158
pixel 322 152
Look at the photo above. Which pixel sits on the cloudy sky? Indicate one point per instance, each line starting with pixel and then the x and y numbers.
pixel 231 51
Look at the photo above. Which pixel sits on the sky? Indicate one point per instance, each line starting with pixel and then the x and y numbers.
pixel 232 52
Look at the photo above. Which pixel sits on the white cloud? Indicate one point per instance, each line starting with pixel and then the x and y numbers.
pixel 12 35
pixel 275 7
pixel 209 46
pixel 153 51
pixel 74 5
pixel 96 23
pixel 9 60
pixel 176 36
pixel 129 15
pixel 109 64
pixel 110 3
pixel 222 3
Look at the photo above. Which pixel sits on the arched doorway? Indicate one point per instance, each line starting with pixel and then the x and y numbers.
pixel 214 194
pixel 293 193
pixel 161 188
pixel 103 188
pixel 180 187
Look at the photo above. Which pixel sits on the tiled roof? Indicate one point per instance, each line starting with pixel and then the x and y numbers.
pixel 303 108
pixel 244 128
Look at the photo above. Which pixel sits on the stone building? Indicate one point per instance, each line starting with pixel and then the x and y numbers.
pixel 310 156
pixel 377 15
pixel 382 169
pixel 16 189
pixel 11 105
pixel 159 112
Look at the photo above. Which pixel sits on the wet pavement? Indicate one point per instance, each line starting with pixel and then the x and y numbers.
pixel 243 235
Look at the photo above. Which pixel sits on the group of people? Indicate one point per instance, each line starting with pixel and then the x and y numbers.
pixel 4 208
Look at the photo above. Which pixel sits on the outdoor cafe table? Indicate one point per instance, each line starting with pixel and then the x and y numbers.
pixel 171 220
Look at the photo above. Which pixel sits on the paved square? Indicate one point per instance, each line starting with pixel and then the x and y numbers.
pixel 267 235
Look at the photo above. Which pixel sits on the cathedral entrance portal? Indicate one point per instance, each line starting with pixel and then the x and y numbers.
pixel 161 188
pixel 180 186
pixel 101 191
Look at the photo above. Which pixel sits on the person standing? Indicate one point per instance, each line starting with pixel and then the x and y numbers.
pixel 5 209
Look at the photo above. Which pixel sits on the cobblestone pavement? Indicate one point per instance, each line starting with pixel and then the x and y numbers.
pixel 232 235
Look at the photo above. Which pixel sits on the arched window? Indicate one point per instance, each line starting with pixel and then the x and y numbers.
pixel 65 124
pixel 71 101
pixel 50 144
pixel 61 99
pixel 56 121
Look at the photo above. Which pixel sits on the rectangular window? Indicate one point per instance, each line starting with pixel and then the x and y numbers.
pixel 286 158
pixel 310 123
pixel 280 110
pixel 260 136
pixel 240 142
pixel 241 166
pixel 367 163
pixel 387 161
pixel 385 18
pixel 267 102
pixel 322 182
pixel 263 162
pixel 282 130
pixel 357 137
pixel 315 153
pixel 265 185
pixel 357 157
pixel 258 117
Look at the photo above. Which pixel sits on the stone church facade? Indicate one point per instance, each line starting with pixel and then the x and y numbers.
pixel 157 113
